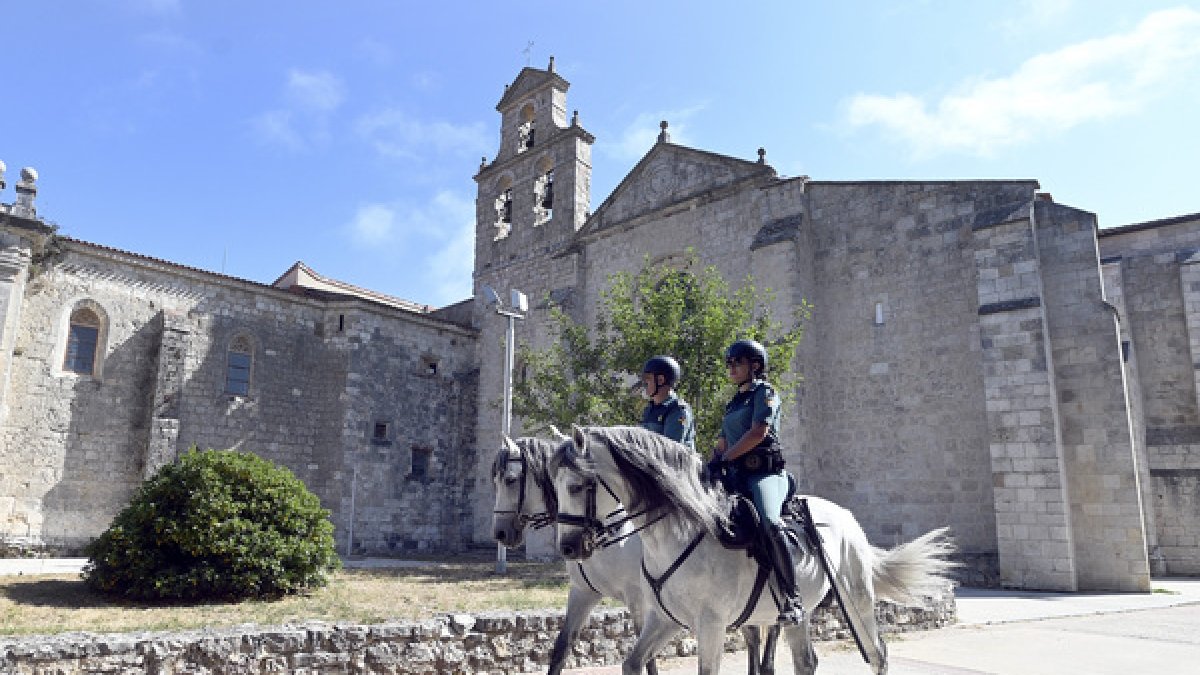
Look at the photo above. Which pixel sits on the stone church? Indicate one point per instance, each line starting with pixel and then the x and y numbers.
pixel 979 357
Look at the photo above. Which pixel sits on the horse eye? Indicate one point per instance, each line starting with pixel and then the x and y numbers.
pixel 510 480
pixel 575 489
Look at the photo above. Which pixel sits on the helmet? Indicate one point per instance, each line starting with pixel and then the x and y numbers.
pixel 665 366
pixel 750 350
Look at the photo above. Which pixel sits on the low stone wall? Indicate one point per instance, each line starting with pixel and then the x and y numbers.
pixel 460 643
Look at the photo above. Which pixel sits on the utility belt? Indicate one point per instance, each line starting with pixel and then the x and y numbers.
pixel 767 457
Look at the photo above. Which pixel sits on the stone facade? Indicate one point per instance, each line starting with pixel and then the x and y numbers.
pixel 979 357
pixel 369 401
pixel 964 364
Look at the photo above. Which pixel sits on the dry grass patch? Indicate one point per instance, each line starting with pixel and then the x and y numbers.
pixel 61 603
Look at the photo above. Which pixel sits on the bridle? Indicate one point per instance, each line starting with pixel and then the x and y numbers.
pixel 536 520
pixel 603 532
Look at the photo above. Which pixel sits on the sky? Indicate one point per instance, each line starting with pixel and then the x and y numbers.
pixel 241 137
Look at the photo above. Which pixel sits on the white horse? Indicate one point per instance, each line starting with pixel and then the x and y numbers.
pixel 525 496
pixel 703 585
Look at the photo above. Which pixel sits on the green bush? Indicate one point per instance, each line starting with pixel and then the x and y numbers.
pixel 215 524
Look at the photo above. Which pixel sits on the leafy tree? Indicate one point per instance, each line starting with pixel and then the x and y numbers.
pixel 584 376
pixel 215 524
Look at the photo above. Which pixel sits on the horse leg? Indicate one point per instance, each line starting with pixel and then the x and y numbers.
pixel 656 632
pixel 768 653
pixel 804 657
pixel 710 644
pixel 580 603
pixel 753 641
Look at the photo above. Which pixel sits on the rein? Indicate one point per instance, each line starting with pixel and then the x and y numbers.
pixel 603 532
pixel 536 520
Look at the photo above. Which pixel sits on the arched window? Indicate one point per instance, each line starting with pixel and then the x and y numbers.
pixel 83 341
pixel 504 209
pixel 525 130
pixel 239 365
pixel 543 192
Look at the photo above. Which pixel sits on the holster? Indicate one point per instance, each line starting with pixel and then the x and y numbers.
pixel 767 457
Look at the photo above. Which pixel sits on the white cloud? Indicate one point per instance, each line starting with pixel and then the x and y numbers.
pixel 275 127
pixel 320 90
pixel 303 122
pixel 394 133
pixel 435 240
pixel 374 224
pixel 1049 93
pixel 642 133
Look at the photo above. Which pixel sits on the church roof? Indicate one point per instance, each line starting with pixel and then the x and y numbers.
pixel 528 81
pixel 301 276
pixel 670 174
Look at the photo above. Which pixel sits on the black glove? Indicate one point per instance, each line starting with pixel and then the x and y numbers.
pixel 714 470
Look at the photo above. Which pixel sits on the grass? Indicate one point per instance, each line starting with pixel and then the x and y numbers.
pixel 47 604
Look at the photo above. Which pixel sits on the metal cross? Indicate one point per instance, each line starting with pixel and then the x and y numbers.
pixel 528 51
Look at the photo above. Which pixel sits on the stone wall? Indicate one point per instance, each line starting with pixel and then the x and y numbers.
pixel 462 643
pixel 1155 283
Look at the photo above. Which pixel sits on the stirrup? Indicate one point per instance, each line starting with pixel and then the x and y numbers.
pixel 792 613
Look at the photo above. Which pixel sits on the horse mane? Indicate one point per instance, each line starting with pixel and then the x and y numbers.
pixel 660 473
pixel 535 453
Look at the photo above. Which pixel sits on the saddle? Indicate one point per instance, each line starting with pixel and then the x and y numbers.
pixel 742 534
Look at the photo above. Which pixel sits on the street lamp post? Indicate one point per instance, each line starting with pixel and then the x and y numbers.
pixel 520 305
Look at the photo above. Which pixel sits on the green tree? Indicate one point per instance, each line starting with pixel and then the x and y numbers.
pixel 585 376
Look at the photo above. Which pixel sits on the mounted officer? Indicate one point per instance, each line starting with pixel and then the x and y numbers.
pixel 748 447
pixel 666 413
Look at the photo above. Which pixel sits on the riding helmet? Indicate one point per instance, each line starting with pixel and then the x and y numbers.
pixel 750 350
pixel 665 366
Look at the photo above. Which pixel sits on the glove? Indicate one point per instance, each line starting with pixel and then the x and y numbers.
pixel 714 470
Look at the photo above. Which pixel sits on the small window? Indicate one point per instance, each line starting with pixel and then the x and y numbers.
pixel 420 463
pixel 381 433
pixel 82 342
pixel 239 364
pixel 879 314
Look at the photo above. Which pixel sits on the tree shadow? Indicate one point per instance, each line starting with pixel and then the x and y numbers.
pixel 59 593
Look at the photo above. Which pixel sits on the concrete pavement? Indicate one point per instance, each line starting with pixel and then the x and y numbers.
pixel 1008 632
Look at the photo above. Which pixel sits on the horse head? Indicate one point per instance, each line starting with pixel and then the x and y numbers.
pixel 522 488
pixel 653 476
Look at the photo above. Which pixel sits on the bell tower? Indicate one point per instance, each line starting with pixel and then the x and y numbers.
pixel 531 200
pixel 536 191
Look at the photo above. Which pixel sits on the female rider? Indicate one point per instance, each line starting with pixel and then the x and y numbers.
pixel 749 446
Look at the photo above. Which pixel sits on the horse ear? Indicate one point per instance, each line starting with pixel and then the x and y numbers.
pixel 558 435
pixel 511 446
pixel 579 438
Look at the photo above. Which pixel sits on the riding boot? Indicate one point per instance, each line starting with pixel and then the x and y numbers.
pixel 792 610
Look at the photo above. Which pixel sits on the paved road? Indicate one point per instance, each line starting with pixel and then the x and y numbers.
pixel 1009 632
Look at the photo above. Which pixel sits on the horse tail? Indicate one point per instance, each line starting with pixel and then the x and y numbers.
pixel 919 568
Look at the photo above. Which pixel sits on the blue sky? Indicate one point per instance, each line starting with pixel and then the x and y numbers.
pixel 244 136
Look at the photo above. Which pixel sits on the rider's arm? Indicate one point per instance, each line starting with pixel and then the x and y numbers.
pixel 748 441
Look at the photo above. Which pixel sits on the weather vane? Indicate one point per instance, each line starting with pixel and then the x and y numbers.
pixel 528 51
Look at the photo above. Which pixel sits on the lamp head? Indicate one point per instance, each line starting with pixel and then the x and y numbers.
pixel 491 298
pixel 519 301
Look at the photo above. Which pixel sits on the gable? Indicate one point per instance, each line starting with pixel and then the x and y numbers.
pixel 527 82
pixel 670 174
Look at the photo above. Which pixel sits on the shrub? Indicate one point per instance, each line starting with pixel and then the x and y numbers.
pixel 215 524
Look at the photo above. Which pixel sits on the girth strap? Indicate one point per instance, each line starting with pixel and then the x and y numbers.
pixel 760 582
pixel 657 584
pixel 588 581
